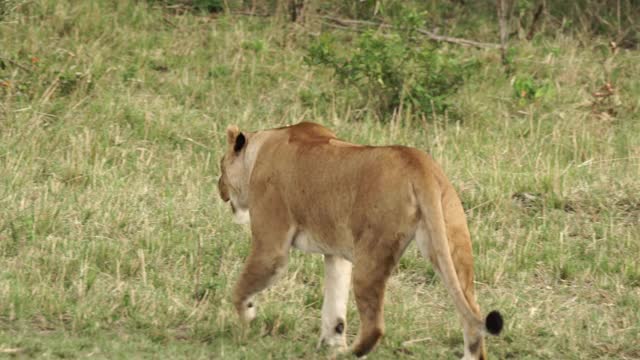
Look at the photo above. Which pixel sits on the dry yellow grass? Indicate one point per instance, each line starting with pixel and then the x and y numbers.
pixel 113 242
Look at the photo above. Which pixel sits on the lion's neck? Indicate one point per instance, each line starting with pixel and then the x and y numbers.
pixel 255 143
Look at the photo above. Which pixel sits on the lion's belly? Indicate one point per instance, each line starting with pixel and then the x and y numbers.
pixel 304 241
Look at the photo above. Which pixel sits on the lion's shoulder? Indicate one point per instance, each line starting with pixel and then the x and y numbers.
pixel 308 132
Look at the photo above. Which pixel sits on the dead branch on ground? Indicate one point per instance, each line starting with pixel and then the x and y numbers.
pixel 346 23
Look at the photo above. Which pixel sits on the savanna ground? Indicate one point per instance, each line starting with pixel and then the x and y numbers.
pixel 114 243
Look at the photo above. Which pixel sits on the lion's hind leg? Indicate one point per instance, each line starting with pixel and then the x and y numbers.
pixel 370 277
pixel 337 278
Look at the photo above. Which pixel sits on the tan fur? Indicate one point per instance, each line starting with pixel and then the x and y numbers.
pixel 304 188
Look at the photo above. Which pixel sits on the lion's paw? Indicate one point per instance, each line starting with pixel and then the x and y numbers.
pixel 249 312
pixel 336 341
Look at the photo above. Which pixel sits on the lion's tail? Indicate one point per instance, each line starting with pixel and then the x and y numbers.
pixel 430 205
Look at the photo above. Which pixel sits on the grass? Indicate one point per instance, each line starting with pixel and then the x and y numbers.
pixel 114 243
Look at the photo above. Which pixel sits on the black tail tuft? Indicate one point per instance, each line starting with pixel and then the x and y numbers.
pixel 493 323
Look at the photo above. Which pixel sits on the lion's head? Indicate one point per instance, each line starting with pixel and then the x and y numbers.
pixel 233 184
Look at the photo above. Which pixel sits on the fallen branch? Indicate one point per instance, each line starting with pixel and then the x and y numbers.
pixel 15 63
pixel 431 35
pixel 413 341
pixel 169 22
pixel 460 41
pixel 342 27
pixel 250 13
pixel 12 351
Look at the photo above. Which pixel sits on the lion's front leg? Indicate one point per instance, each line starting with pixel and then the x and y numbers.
pixel 260 271
pixel 337 278
pixel 271 237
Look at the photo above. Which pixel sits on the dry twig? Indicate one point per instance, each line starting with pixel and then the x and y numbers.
pixel 427 33
pixel 15 63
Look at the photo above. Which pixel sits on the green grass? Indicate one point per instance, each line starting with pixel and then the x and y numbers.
pixel 114 243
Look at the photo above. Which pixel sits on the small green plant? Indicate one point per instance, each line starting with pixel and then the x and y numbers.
pixel 129 73
pixel 393 70
pixel 68 82
pixel 526 88
pixel 256 45
pixel 219 71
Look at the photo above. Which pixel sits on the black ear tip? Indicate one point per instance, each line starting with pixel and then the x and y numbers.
pixel 240 141
pixel 494 323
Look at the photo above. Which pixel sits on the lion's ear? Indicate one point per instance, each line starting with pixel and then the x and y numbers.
pixel 240 141
pixel 232 134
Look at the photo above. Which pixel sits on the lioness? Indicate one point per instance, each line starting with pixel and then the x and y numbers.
pixel 360 206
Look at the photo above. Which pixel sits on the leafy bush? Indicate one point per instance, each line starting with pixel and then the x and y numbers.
pixel 394 69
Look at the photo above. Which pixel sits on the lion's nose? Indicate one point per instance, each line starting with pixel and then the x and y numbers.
pixel 222 189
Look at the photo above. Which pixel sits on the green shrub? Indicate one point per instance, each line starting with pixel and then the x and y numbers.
pixel 393 69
